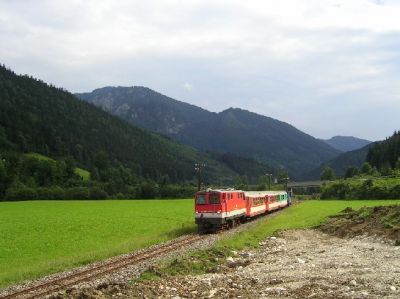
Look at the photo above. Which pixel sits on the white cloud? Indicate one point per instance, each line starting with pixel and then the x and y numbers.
pixel 267 56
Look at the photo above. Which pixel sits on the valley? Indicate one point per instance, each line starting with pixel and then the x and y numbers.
pixel 199 149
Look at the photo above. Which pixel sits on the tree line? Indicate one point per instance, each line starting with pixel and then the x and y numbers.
pixel 24 177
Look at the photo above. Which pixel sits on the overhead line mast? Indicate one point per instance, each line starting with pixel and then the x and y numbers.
pixel 198 168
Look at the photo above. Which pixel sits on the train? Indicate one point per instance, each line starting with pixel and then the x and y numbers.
pixel 217 209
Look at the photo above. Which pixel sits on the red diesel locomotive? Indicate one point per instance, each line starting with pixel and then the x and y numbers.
pixel 224 208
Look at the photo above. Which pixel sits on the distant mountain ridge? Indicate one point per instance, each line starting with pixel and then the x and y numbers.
pixel 233 130
pixel 346 143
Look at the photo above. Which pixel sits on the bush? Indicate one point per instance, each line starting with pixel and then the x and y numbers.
pixel 328 174
pixel 395 192
pixel 77 193
pixel 97 193
pixel 379 192
pixel 367 190
pixel 351 172
pixel 21 193
pixel 339 190
pixel 177 191
pixel 148 190
pixel 50 193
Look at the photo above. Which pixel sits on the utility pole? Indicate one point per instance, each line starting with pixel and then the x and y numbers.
pixel 269 175
pixel 198 167
pixel 286 183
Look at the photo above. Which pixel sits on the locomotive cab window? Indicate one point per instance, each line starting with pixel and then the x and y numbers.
pixel 201 199
pixel 214 199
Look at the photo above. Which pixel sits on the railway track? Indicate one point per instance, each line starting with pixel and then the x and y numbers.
pixel 75 278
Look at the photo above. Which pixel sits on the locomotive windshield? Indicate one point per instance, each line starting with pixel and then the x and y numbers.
pixel 201 199
pixel 214 199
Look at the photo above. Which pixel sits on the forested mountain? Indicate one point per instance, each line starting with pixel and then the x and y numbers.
pixel 342 162
pixel 231 131
pixel 36 117
pixel 346 143
pixel 385 154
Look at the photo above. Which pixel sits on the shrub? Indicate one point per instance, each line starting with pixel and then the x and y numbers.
pixel 21 193
pixel 50 193
pixel 77 193
pixel 97 193
pixel 395 191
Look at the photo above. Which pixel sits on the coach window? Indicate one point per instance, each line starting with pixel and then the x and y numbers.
pixel 223 195
pixel 214 199
pixel 201 199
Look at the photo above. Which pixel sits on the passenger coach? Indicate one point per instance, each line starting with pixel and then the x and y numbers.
pixel 223 208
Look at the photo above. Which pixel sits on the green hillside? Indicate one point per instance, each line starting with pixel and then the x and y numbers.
pixel 232 131
pixel 43 119
pixel 342 162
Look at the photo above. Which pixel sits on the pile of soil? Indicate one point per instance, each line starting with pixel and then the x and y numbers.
pixel 382 222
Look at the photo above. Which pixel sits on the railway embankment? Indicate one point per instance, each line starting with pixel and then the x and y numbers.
pixel 294 263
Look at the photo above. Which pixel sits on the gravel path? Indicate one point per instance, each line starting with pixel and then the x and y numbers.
pixel 295 264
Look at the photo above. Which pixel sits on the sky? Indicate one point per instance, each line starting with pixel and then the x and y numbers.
pixel 328 67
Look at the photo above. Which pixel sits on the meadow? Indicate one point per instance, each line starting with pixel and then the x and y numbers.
pixel 41 237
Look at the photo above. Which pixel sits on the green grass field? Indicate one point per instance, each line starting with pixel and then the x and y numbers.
pixel 42 237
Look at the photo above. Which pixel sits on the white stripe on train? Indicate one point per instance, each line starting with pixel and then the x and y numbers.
pixel 222 214
pixel 261 208
pixel 241 212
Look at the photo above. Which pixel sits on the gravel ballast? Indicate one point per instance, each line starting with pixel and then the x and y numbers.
pixel 294 264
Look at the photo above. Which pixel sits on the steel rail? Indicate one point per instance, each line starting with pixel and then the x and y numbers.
pixel 57 284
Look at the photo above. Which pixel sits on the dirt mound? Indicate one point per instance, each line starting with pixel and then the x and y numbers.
pixel 381 221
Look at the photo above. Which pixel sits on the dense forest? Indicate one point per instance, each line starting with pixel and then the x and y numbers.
pixel 386 154
pixel 122 160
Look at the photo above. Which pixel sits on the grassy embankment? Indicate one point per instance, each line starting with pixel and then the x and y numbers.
pixel 38 238
pixel 305 215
